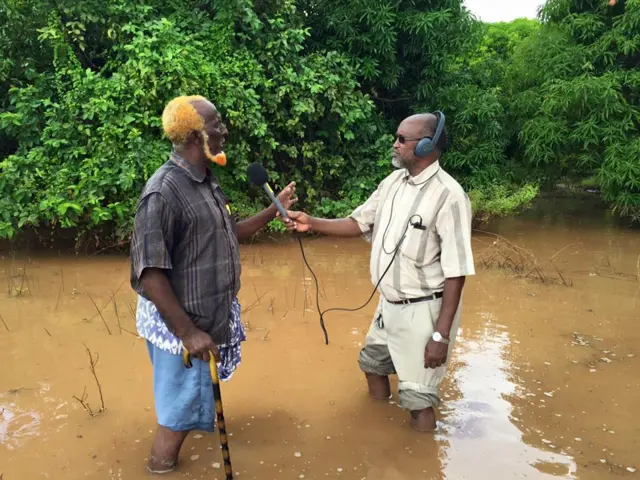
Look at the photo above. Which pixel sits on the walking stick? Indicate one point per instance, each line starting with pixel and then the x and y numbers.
pixel 217 396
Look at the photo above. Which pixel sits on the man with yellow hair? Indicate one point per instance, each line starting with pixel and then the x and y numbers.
pixel 185 267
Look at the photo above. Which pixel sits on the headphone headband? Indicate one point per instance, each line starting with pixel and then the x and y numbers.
pixel 428 145
pixel 439 128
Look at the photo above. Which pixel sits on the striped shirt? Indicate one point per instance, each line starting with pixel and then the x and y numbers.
pixel 434 213
pixel 183 225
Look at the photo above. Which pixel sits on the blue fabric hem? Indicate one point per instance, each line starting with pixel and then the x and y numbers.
pixel 189 428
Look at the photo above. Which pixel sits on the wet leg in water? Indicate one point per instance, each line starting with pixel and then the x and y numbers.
pixel 379 387
pixel 165 449
pixel 423 421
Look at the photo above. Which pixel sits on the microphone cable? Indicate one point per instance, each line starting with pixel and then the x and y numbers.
pixel 315 278
pixel 259 177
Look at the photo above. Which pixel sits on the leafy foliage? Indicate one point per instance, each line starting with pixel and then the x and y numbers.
pixel 576 95
pixel 314 91
pixel 87 126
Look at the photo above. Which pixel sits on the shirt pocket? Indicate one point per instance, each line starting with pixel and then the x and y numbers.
pixel 417 244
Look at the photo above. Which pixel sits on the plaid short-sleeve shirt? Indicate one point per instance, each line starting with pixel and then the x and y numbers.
pixel 183 226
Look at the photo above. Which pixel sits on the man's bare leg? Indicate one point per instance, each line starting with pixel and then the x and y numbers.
pixel 423 421
pixel 165 449
pixel 379 386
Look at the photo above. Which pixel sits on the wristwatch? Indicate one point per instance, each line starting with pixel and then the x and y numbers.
pixel 436 337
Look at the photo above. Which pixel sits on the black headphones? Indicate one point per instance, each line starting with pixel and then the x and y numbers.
pixel 428 144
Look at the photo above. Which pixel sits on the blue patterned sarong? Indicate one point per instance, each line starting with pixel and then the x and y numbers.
pixel 151 327
pixel 184 396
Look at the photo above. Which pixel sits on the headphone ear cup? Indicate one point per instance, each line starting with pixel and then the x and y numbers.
pixel 423 148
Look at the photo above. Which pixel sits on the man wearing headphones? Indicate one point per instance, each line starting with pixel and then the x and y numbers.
pixel 419 223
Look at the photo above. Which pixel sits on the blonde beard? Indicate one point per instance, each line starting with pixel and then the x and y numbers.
pixel 220 158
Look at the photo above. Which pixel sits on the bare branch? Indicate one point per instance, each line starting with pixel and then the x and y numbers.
pixel 115 307
pixel 4 323
pixel 99 313
pixel 83 400
pixel 503 254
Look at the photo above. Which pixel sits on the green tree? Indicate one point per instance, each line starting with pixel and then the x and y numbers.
pixel 85 126
pixel 414 56
pixel 576 88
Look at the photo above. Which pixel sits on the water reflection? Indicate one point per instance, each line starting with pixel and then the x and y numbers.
pixel 16 424
pixel 480 439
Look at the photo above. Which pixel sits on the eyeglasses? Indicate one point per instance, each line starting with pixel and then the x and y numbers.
pixel 402 139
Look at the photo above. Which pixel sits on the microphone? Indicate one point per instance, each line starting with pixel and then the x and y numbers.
pixel 259 176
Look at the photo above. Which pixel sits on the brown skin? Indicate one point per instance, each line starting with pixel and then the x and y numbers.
pixel 413 129
pixel 167 443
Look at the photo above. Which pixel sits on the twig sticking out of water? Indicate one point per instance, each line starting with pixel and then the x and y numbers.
pixel 110 298
pixel 606 270
pixel 252 306
pixel 115 307
pixel 4 323
pixel 130 332
pixel 10 281
pixel 24 277
pixel 121 243
pixel 48 333
pixel 61 289
pixel 256 291
pixel 84 403
pixel 10 274
pixel 58 299
pixel 133 315
pixel 295 295
pixel 99 313
pixel 83 400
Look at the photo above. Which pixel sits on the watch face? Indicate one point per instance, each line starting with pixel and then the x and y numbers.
pixel 437 337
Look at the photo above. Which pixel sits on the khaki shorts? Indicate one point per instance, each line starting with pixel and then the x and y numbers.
pixel 395 344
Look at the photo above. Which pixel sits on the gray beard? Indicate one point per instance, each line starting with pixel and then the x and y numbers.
pixel 397 163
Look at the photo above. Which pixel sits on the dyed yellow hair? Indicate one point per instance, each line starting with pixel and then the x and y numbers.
pixel 180 118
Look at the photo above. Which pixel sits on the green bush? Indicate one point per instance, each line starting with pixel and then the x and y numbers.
pixel 89 138
pixel 314 91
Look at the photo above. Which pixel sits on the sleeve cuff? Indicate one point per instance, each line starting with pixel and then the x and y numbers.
pixel 459 273
pixel 141 268
pixel 364 228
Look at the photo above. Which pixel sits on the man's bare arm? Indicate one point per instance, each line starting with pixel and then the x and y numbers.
pixel 450 301
pixel 249 227
pixel 342 227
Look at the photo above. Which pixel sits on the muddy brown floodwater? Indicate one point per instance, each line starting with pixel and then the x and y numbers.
pixel 543 383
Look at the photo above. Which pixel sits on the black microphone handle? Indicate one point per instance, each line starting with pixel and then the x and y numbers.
pixel 275 201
